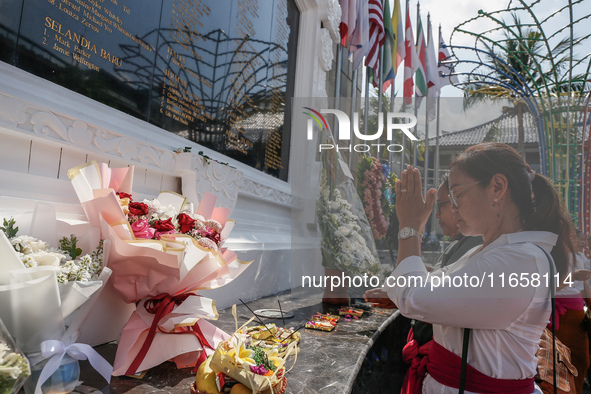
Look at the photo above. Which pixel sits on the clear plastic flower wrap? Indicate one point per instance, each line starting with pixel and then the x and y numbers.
pixel 36 306
pixel 14 366
pixel 347 240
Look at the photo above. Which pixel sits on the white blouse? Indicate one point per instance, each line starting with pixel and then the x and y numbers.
pixel 577 287
pixel 500 291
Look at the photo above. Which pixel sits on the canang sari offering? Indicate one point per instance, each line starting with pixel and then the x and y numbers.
pixel 162 253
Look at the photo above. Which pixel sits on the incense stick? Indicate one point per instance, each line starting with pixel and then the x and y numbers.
pixel 281 311
pixel 257 317
pixel 294 331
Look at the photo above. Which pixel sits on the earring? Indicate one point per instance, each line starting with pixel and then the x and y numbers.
pixel 495 201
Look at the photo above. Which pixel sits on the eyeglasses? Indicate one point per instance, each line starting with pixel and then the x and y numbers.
pixel 453 198
pixel 439 205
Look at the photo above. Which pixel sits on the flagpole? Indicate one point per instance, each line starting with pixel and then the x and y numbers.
pixel 436 182
pixel 339 76
pixel 393 64
pixel 426 148
pixel 415 143
pixel 427 110
pixel 437 132
pixel 436 167
pixel 392 87
pixel 366 101
pixel 392 93
pixel 392 97
pixel 415 148
pixel 353 105
pixel 380 76
pixel 403 159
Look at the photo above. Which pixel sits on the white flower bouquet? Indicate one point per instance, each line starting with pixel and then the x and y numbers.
pixel 347 241
pixel 14 366
pixel 36 306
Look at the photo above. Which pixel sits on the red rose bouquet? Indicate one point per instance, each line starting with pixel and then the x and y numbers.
pixel 162 253
pixel 151 219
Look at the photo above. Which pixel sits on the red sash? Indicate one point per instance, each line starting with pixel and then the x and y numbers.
pixel 566 303
pixel 416 357
pixel 444 367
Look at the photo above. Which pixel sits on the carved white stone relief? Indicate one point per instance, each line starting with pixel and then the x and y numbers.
pixel 325 53
pixel 47 124
pixel 80 134
pixel 224 181
pixel 319 81
pixel 200 175
pixel 258 190
pixel 12 111
pixel 331 18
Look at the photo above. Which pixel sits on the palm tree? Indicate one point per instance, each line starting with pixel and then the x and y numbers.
pixel 531 63
pixel 516 62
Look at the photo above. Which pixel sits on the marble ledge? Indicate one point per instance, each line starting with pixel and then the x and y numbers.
pixel 328 362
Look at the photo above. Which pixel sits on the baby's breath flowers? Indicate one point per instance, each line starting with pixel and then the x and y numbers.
pixel 70 264
pixel 14 368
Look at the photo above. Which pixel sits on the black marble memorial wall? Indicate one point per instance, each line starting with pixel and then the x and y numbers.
pixel 217 72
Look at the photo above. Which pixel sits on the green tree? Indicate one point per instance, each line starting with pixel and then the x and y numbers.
pixel 517 60
pixel 538 60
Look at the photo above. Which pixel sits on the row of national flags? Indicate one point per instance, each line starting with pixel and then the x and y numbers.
pixel 366 27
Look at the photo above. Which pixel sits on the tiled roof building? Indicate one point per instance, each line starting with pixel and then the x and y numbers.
pixel 503 129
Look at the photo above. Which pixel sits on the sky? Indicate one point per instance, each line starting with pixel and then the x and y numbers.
pixel 451 13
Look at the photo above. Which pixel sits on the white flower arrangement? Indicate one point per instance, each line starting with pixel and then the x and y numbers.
pixel 160 212
pixel 14 369
pixel 70 266
pixel 343 245
pixel 12 365
pixel 26 244
pixel 83 269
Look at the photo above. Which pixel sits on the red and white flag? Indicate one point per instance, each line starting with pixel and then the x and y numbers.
pixel 411 60
pixel 421 75
pixel 359 46
pixel 348 20
pixel 445 68
pixel 399 39
pixel 376 37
